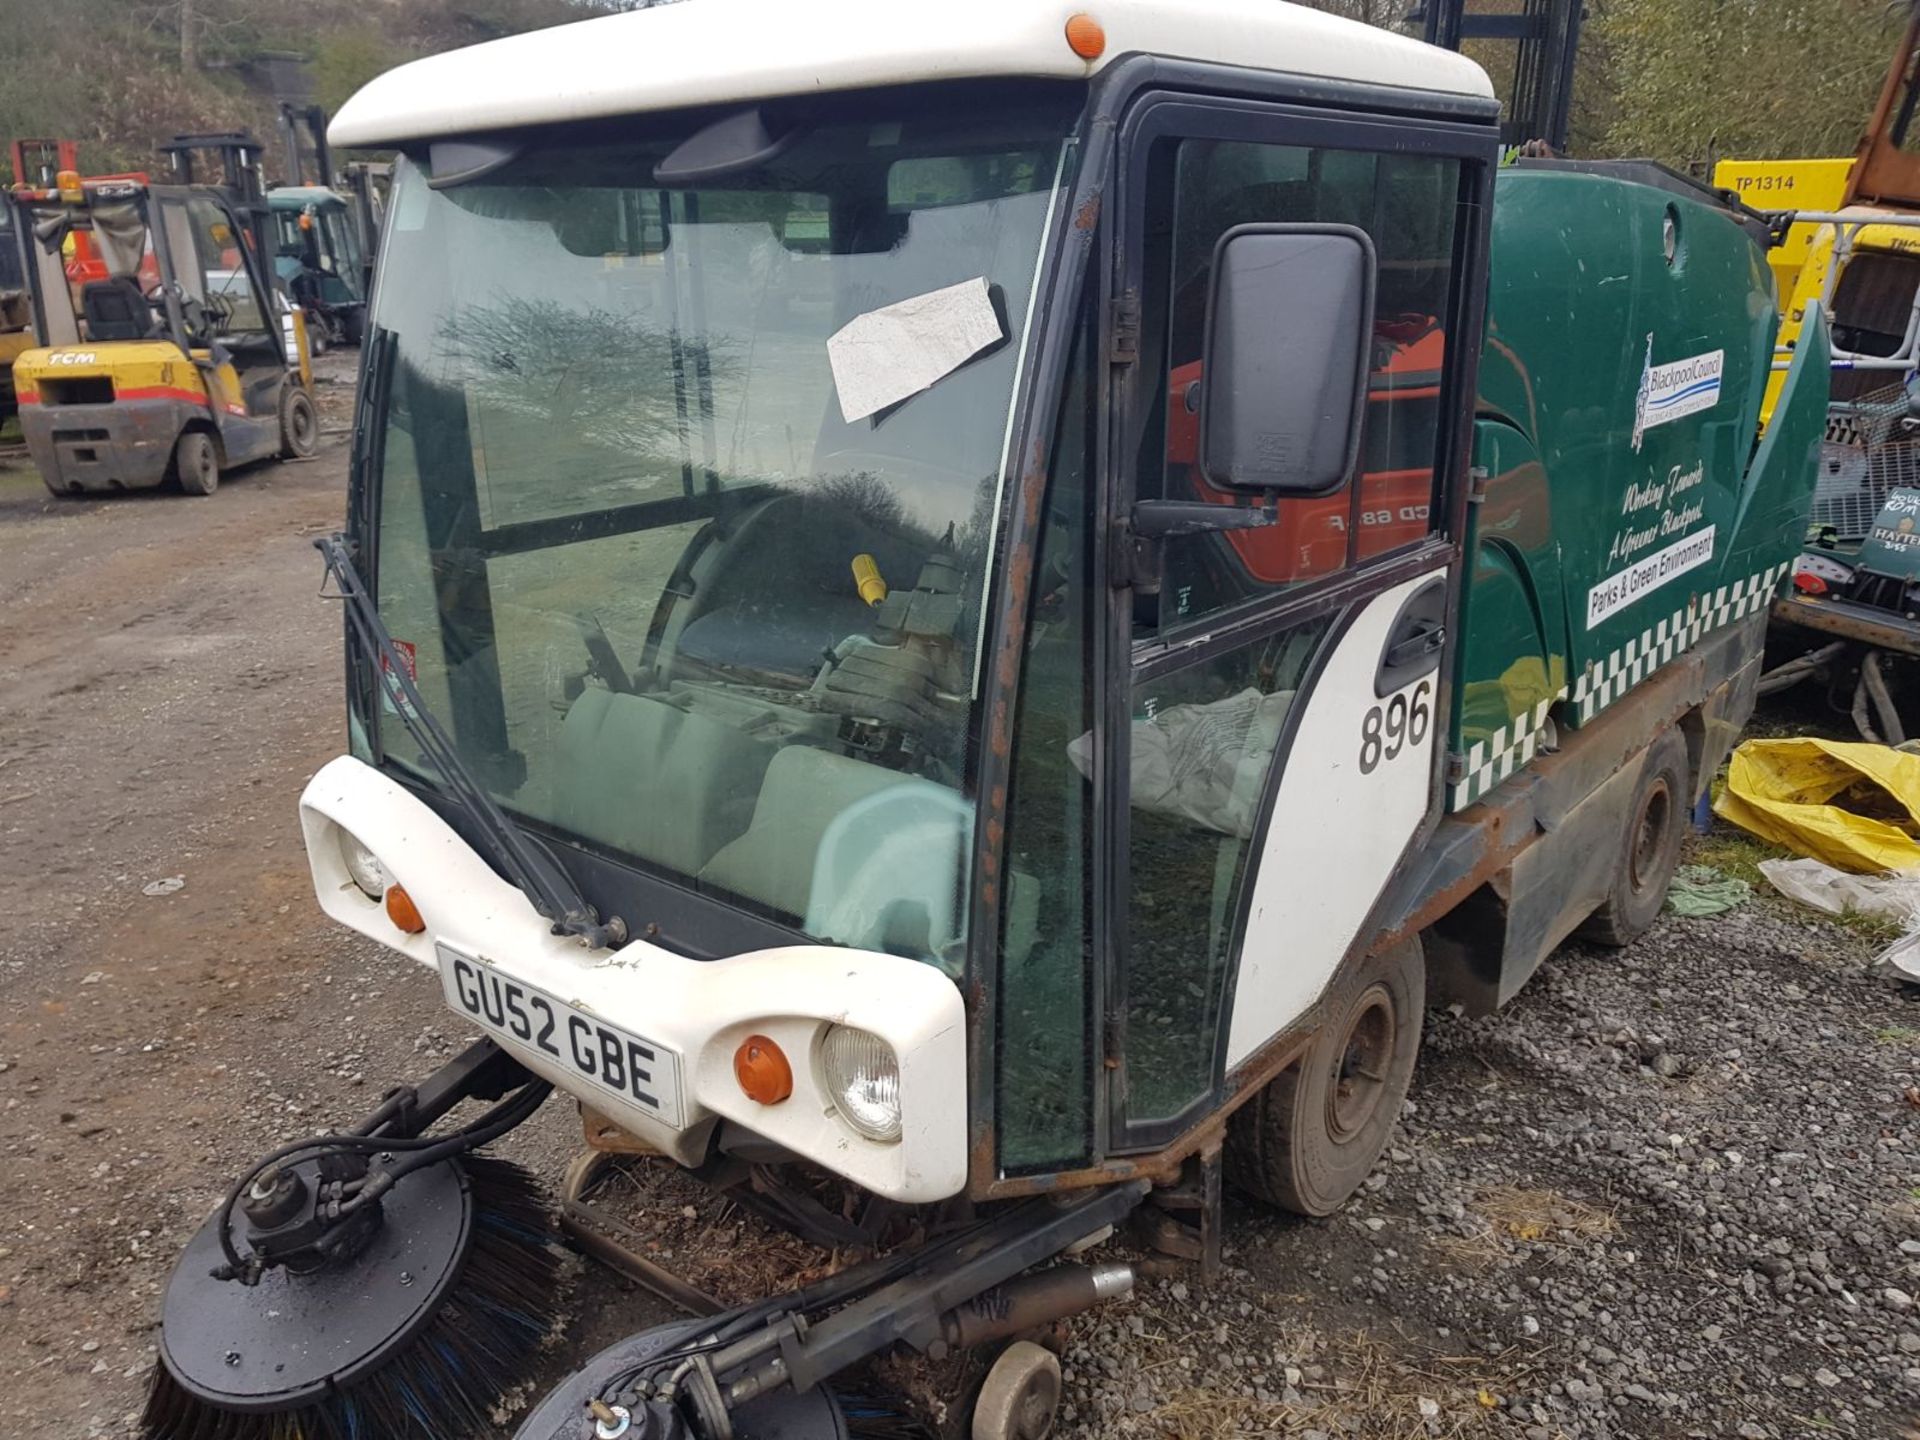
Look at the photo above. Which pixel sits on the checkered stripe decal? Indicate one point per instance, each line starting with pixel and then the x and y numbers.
pixel 1607 680
pixel 1511 747
pixel 1493 759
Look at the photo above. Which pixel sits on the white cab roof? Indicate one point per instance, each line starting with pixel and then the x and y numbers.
pixel 703 52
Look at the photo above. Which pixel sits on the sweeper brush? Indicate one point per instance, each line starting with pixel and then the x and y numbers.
pixel 376 1285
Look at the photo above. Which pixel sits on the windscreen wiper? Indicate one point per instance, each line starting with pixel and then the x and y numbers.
pixel 527 864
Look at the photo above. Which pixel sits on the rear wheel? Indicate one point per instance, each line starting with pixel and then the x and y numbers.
pixel 196 463
pixel 299 424
pixel 1313 1135
pixel 1649 847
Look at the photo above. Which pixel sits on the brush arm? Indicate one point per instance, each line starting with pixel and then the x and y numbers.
pixel 482 1071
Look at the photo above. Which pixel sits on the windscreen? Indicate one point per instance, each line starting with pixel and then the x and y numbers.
pixel 687 491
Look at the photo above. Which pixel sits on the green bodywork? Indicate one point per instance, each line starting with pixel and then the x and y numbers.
pixel 333 239
pixel 1625 508
pixel 1892 547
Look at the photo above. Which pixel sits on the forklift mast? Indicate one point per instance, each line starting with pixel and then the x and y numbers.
pixel 38 163
pixel 313 120
pixel 1545 35
pixel 241 176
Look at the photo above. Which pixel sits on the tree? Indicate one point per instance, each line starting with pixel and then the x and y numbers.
pixel 1387 14
pixel 1763 79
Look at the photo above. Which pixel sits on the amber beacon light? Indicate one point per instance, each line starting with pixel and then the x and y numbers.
pixel 1086 37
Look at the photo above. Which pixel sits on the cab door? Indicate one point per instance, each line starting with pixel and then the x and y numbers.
pixel 1275 708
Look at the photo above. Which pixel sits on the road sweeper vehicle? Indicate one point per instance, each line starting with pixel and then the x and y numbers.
pixel 977 604
pixel 169 355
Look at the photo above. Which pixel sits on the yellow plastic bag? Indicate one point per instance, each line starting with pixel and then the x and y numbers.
pixel 1783 791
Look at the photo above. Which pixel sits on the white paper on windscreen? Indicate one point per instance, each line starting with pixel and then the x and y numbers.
pixel 885 355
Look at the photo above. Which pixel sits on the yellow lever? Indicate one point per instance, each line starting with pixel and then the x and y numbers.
pixel 867 579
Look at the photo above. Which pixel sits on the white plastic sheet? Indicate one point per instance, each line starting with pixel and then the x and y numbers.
pixel 1895 895
pixel 1202 763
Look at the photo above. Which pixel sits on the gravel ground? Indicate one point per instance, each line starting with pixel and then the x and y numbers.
pixel 1670 1191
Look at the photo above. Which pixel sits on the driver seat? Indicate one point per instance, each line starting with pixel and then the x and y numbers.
pixel 114 309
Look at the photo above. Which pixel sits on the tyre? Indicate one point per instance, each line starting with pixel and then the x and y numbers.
pixel 196 463
pixel 1649 847
pixel 299 423
pixel 1021 1396
pixel 1307 1141
pixel 353 326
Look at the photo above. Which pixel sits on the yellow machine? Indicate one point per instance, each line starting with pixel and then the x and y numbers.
pixel 170 356
pixel 1787 185
pixel 1866 274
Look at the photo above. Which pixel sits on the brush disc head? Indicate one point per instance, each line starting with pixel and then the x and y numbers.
pixel 290 1339
pixel 415 1337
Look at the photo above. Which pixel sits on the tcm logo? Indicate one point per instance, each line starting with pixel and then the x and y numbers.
pixel 73 357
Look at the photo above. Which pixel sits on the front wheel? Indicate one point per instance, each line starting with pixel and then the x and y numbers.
pixel 1309 1139
pixel 197 463
pixel 1021 1397
pixel 299 424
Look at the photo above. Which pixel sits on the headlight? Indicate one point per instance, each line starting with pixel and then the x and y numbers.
pixel 363 866
pixel 863 1077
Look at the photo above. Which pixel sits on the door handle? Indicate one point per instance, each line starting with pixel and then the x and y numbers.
pixel 1416 641
pixel 1422 640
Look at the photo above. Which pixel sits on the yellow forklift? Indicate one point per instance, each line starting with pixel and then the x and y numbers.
pixel 173 358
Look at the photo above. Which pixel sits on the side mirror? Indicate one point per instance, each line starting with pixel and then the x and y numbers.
pixel 1289 329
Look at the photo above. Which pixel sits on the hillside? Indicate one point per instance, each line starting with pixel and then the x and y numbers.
pixel 121 75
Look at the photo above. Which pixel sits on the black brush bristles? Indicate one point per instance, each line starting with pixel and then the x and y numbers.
pixel 873 1414
pixel 443 1385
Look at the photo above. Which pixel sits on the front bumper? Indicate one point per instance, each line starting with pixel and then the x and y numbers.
pixel 126 445
pixel 698 1011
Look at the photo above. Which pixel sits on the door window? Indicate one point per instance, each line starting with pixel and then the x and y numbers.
pixel 1202 741
pixel 209 262
pixel 1408 205
pixel 344 248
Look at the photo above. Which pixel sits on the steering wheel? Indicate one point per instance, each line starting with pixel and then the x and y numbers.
pixel 219 307
pixel 193 313
pixel 603 661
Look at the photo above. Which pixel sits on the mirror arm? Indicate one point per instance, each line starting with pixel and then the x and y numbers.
pixel 1157 519
pixel 1137 553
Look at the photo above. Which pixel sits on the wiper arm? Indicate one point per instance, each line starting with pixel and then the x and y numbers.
pixel 540 878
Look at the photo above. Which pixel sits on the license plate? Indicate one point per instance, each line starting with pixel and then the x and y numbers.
pixel 607 1057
